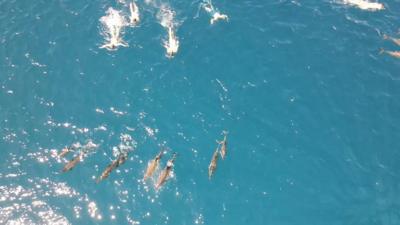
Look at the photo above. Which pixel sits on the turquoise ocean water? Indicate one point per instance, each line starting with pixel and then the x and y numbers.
pixel 311 107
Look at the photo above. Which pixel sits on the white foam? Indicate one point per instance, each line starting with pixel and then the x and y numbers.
pixel 166 16
pixel 365 4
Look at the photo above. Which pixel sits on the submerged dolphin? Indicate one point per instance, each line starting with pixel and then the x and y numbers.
pixel 152 166
pixel 223 144
pixel 166 172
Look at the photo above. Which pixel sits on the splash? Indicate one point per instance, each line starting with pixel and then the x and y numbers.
pixel 365 5
pixel 113 24
pixel 166 16
pixel 126 145
pixel 94 211
pixel 90 146
pixel 213 12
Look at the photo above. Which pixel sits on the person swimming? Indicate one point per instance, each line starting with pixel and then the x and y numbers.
pixel 166 172
pixel 172 45
pixel 152 166
pixel 112 28
pixel 115 41
pixel 134 17
pixel 215 14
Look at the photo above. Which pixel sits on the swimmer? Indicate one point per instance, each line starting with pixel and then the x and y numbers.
pixel 213 164
pixel 395 40
pixel 114 164
pixel 215 14
pixel 134 17
pixel 218 16
pixel 152 166
pixel 114 43
pixel 172 45
pixel 395 54
pixel 112 25
pixel 165 173
pixel 365 5
pixel 71 164
pixel 223 144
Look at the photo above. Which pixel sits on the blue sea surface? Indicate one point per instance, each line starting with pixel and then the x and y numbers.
pixel 311 109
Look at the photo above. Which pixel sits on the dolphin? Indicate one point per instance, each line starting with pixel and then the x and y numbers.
pixel 67 150
pixel 152 166
pixel 395 40
pixel 64 152
pixel 395 54
pixel 114 164
pixel 106 172
pixel 166 172
pixel 213 164
pixel 71 164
